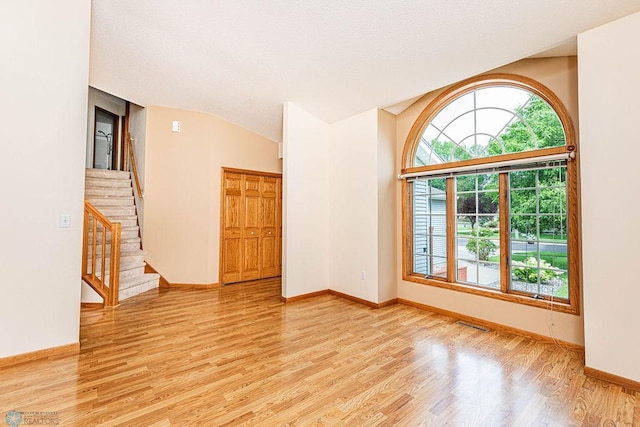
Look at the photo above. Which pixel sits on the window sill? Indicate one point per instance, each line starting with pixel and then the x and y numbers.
pixel 557 306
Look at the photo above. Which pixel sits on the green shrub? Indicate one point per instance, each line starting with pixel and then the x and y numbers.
pixel 491 224
pixel 528 271
pixel 481 247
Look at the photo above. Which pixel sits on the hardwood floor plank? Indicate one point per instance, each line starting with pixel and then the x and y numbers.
pixel 237 355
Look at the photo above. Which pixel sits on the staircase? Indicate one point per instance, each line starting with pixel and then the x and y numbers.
pixel 111 193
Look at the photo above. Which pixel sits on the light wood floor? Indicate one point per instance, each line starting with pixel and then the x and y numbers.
pixel 238 355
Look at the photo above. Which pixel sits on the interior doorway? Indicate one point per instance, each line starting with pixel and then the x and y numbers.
pixel 251 225
pixel 105 140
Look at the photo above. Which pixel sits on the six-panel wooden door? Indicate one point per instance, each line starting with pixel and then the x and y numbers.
pixel 251 226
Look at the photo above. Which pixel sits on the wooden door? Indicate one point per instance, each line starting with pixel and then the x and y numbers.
pixel 279 228
pixel 251 223
pixel 269 253
pixel 251 228
pixel 232 221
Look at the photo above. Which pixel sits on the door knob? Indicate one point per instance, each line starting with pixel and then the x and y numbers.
pixel 252 233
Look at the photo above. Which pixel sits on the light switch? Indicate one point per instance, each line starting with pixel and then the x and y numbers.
pixel 175 126
pixel 65 221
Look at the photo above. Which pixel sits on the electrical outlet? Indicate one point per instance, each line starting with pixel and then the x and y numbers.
pixel 65 221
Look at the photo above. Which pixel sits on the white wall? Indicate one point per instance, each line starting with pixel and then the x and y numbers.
pixel 44 49
pixel 339 208
pixel 305 203
pixel 609 87
pixel 353 150
pixel 183 174
pixel 387 198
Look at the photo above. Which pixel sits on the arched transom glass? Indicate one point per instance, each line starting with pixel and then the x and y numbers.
pixel 489 121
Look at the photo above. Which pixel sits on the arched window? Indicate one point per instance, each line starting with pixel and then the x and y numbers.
pixel 490 183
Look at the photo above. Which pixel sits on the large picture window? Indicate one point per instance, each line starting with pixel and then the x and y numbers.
pixel 490 182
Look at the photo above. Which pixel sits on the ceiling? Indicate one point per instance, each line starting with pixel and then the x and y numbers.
pixel 242 59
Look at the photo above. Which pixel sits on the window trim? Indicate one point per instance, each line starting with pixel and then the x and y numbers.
pixel 410 147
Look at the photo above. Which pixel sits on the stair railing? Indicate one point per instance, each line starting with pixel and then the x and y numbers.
pixel 96 223
pixel 134 170
pixel 129 154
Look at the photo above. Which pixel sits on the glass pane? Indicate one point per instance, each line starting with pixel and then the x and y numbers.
pixel 526 276
pixel 479 249
pixel 420 263
pixel 460 128
pixel 466 203
pixel 489 269
pixel 453 109
pixel 523 201
pixel 465 183
pixel 538 250
pixel 478 273
pixel 491 120
pixel 429 227
pixel 478 230
pixel 505 97
pixel 524 227
pixel 463 225
pixel 552 200
pixel 553 228
pixel 488 202
pixel 467 272
pixel 489 226
pixel 488 181
pixel 522 179
pixel 437 267
pixel 462 251
pixel 552 177
pixel 488 122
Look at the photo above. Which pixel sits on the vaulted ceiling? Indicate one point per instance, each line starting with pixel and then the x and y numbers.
pixel 242 59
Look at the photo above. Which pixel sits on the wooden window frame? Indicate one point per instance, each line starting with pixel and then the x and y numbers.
pixel 573 247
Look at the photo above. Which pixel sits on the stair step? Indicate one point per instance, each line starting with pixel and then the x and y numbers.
pixel 112 194
pixel 125 220
pixel 147 282
pixel 100 202
pixel 124 247
pixel 126 233
pixel 117 211
pixel 137 280
pixel 131 271
pixel 127 262
pixel 105 173
pixel 90 193
pixel 107 182
pixel 128 252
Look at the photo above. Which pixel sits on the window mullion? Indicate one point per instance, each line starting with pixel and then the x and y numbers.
pixel 505 231
pixel 451 230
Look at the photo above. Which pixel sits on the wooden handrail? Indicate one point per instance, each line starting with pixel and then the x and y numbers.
pixel 134 170
pixel 107 289
pixel 129 154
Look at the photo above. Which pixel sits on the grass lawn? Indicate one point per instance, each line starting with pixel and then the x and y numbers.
pixel 552 237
